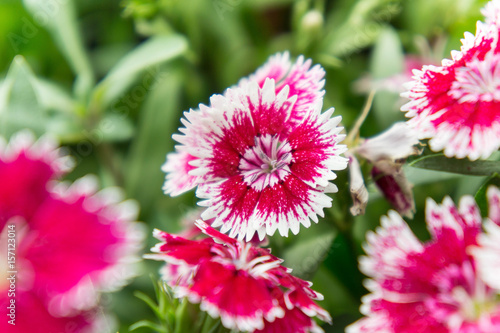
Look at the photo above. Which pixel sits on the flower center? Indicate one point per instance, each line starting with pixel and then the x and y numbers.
pixel 472 300
pixel 266 163
pixel 478 82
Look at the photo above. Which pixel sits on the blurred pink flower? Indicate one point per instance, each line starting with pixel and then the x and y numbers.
pixel 432 286
pixel 244 285
pixel 71 243
pixel 394 83
pixel 487 254
pixel 457 105
pixel 491 12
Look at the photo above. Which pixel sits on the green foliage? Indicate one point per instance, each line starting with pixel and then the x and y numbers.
pixel 439 162
pixel 110 79
pixel 175 316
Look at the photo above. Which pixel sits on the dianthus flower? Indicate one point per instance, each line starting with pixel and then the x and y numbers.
pixel 262 154
pixel 457 105
pixel 302 80
pixel 61 244
pixel 431 286
pixel 246 286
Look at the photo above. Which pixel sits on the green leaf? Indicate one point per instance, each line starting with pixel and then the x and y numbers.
pixel 53 97
pixel 439 162
pixel 387 58
pixel 147 324
pixel 305 256
pixel 480 196
pixel 154 51
pixel 158 120
pixel 146 299
pixel 115 127
pixel 59 18
pixel 337 298
pixel 19 106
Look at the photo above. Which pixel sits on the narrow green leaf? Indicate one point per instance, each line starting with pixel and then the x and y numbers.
pixel 155 51
pixel 480 195
pixel 158 120
pixel 146 299
pixel 53 97
pixel 19 106
pixel 439 162
pixel 182 318
pixel 147 324
pixel 387 58
pixel 305 256
pixel 59 18
pixel 115 127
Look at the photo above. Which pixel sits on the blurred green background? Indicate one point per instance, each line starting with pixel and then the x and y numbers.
pixel 111 79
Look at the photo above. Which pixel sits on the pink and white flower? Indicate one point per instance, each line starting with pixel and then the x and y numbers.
pixel 457 105
pixel 431 286
pixel 260 172
pixel 71 241
pixel 262 154
pixel 244 285
pixel 487 254
pixel 491 12
pixel 303 81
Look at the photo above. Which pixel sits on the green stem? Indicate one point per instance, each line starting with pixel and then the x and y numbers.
pixel 354 132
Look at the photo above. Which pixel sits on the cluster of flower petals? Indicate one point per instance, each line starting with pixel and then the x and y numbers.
pixel 262 155
pixel 62 244
pixel 443 285
pixel 246 286
pixel 457 105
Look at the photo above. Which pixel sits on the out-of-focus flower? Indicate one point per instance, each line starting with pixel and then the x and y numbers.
pixel 71 243
pixel 487 254
pixel 387 152
pixel 457 105
pixel 245 286
pixel 491 12
pixel 394 83
pixel 432 286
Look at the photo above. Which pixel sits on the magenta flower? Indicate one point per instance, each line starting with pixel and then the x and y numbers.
pixel 262 154
pixel 302 80
pixel 432 286
pixel 245 286
pixel 457 104
pixel 71 243
pixel 487 254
